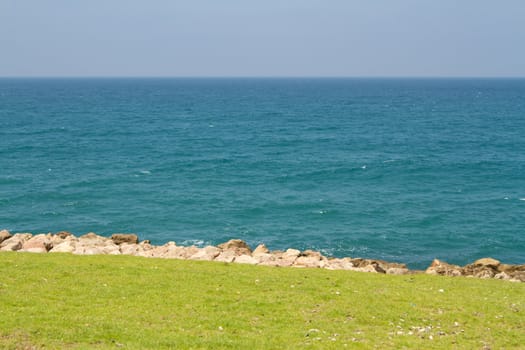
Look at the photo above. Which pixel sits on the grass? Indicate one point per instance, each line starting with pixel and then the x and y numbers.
pixel 109 302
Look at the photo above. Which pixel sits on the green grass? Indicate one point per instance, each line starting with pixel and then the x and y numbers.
pixel 97 302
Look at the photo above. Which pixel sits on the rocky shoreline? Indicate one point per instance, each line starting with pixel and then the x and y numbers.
pixel 237 251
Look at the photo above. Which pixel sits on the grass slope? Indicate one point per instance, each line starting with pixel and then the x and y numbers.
pixel 98 302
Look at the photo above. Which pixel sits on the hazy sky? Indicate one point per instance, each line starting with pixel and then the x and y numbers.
pixel 262 38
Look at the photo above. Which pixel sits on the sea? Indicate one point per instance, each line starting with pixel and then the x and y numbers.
pixel 397 169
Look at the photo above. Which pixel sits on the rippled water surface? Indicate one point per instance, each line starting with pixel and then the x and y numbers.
pixel 398 169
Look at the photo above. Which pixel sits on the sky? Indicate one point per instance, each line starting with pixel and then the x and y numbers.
pixel 265 38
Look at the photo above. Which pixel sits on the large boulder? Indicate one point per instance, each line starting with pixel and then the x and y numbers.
pixel 87 250
pixel 67 246
pixel 38 244
pixel 239 247
pixel 260 250
pixel 169 251
pixel 267 259
pixel 482 268
pixel 367 265
pixel 15 242
pixel 91 236
pixel 439 267
pixel 281 259
pixel 111 248
pixel 339 264
pixel 93 240
pixel 63 234
pixel 397 271
pixel 291 255
pixel 128 248
pixel 246 259
pixel 207 253
pixel 310 258
pixel 307 261
pixel 489 262
pixel 518 275
pixel 226 256
pixel 4 234
pixel 120 238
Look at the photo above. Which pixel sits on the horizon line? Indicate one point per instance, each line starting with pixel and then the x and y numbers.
pixel 259 77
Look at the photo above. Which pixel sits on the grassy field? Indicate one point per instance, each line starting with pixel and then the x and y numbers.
pixel 109 302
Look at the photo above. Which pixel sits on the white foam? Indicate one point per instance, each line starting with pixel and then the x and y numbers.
pixel 145 172
pixel 195 242
pixel 522 199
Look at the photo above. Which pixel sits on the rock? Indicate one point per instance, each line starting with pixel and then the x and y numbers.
pixel 310 258
pixel 111 249
pixel 482 268
pixel 15 242
pixel 282 259
pixel 129 248
pixel 358 262
pixel 37 244
pixel 484 273
pixel 378 265
pixel 63 234
pixel 120 238
pixel 207 253
pixel 11 246
pixel 339 264
pixel 264 258
pixel 311 254
pixel 246 259
pixel 87 250
pixel 291 254
pixel 261 249
pixel 189 251
pixel 146 245
pixel 238 251
pixel 387 265
pixel 439 267
pixel 502 276
pixel 91 235
pixel 56 240
pixel 4 234
pixel 236 245
pixel 487 262
pixel 510 268
pixel 92 240
pixel 64 247
pixel 170 251
pixel 305 261
pixel 226 256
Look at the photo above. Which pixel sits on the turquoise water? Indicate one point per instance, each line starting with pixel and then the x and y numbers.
pixel 398 169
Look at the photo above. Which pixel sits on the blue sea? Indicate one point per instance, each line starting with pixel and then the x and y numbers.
pixel 397 169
